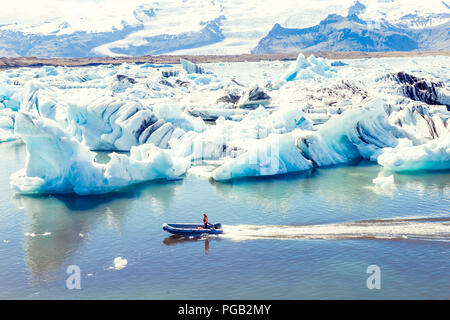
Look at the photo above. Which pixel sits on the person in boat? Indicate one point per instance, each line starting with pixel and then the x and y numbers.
pixel 205 220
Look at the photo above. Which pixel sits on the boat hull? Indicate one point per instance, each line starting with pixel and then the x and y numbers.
pixel 188 229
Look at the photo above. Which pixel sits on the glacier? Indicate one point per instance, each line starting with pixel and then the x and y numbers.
pixel 236 120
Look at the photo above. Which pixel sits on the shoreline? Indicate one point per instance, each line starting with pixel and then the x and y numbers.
pixel 19 62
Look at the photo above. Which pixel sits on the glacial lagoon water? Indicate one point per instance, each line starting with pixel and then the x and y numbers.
pixel 41 236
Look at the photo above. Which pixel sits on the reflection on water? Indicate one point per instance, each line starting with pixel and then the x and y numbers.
pixel 68 219
pixel 425 182
pixel 44 254
pixel 179 239
pixel 342 185
pixel 272 193
pixel 67 226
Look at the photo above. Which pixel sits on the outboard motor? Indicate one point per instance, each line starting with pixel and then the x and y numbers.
pixel 218 226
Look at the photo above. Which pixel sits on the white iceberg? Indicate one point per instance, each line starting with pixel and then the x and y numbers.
pixel 358 133
pixel 57 163
pixel 10 97
pixel 434 155
pixel 276 154
pixel 191 67
pixel 309 68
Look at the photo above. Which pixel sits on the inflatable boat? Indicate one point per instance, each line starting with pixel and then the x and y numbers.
pixel 192 229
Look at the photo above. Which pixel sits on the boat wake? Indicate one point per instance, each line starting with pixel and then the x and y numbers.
pixel 423 228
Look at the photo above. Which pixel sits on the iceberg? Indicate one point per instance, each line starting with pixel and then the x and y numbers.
pixel 419 124
pixel 57 163
pixel 10 97
pixel 276 154
pixel 228 138
pixel 433 155
pixel 357 133
pixel 254 97
pixel 110 123
pixel 309 68
pixel 191 67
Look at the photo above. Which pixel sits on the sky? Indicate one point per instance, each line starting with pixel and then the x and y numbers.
pixel 38 11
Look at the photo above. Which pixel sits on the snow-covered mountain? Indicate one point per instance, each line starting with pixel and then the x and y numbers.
pixel 52 28
pixel 339 33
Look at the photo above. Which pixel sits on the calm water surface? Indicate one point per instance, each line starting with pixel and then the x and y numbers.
pixel 91 231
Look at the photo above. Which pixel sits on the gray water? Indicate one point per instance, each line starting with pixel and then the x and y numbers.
pixel 91 231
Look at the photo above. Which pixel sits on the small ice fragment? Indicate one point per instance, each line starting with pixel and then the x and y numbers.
pixel 81 235
pixel 28 234
pixel 119 263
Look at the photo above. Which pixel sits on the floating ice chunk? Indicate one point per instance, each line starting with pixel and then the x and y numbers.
pixel 121 83
pixel 212 114
pixel 151 65
pixel 254 97
pixel 10 97
pixel 58 163
pixel 174 114
pixel 119 263
pixel 356 133
pixel 191 67
pixel 28 234
pixel 434 155
pixel 276 154
pixel 309 68
pixel 419 124
pixel 49 71
pixel 338 63
pixel 300 63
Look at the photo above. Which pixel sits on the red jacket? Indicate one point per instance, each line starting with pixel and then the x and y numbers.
pixel 205 219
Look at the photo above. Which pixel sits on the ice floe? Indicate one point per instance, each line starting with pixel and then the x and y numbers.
pixel 119 263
